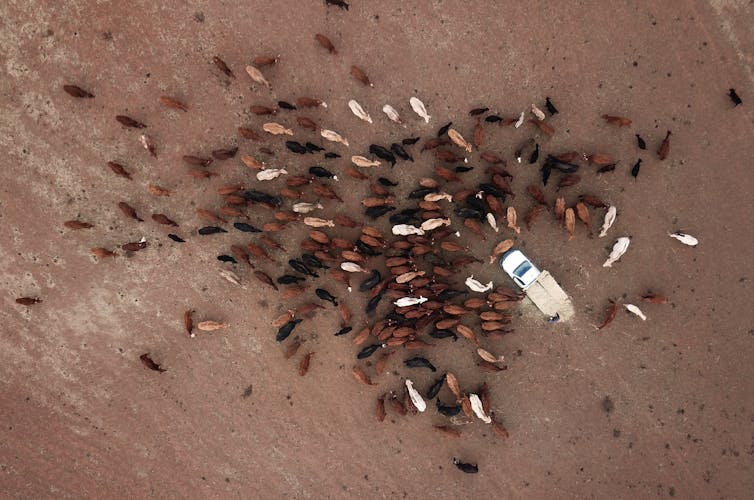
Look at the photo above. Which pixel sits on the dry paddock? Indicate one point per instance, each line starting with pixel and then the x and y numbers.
pixel 81 416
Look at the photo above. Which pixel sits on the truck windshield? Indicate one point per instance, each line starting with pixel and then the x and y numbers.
pixel 522 269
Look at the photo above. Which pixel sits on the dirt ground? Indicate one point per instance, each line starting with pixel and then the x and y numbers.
pixel 81 416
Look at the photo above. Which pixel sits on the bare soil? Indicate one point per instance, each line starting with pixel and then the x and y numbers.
pixel 639 409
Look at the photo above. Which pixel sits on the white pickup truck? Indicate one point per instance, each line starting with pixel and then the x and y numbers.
pixel 540 287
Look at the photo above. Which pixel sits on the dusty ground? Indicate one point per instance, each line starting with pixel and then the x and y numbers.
pixel 81 417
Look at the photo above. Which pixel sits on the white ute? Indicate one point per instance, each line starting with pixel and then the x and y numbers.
pixel 540 287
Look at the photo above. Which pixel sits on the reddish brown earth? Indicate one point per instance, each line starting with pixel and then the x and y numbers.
pixel 81 416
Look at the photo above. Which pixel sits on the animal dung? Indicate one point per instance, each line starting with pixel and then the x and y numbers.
pixel 619 248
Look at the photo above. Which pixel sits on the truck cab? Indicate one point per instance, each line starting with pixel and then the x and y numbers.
pixel 519 268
